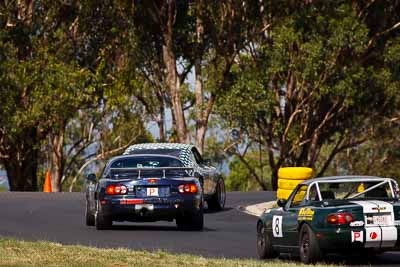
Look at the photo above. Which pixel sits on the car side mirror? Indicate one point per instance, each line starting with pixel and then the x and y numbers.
pixel 91 177
pixel 281 202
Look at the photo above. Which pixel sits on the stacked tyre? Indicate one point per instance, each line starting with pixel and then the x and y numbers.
pixel 289 178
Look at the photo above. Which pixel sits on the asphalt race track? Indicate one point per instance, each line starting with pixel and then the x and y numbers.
pixel 59 217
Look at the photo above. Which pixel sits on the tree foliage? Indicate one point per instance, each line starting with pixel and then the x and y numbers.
pixel 312 83
pixel 316 78
pixel 55 66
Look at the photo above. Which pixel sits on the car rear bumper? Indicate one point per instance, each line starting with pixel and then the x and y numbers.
pixel 341 241
pixel 338 240
pixel 149 209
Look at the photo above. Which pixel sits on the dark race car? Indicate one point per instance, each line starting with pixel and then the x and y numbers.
pixel 145 188
pixel 212 182
pixel 147 185
pixel 346 214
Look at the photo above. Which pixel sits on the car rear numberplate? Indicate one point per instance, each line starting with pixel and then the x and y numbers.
pixel 379 219
pixel 152 191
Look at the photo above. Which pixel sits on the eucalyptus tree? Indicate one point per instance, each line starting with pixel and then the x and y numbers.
pixel 39 89
pixel 58 60
pixel 321 76
pixel 175 39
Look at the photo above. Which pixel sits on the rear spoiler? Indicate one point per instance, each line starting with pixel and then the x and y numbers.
pixel 163 169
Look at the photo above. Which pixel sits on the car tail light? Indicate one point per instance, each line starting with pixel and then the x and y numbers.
pixel 187 188
pixel 151 180
pixel 339 218
pixel 116 189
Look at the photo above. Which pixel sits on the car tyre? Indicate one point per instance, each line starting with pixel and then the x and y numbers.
pixel 309 248
pixel 90 220
pixel 264 245
pixel 191 221
pixel 102 222
pixel 217 201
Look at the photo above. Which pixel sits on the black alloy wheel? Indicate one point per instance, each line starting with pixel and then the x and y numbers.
pixel 193 221
pixel 102 222
pixel 217 201
pixel 309 248
pixel 90 218
pixel 264 245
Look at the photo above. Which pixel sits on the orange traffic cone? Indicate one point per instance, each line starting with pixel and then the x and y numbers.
pixel 47 182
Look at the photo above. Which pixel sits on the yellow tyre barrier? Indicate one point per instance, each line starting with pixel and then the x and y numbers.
pixel 284 194
pixel 288 184
pixel 299 197
pixel 294 173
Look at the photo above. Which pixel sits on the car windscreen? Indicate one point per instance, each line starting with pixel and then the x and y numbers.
pixel 356 190
pixel 147 166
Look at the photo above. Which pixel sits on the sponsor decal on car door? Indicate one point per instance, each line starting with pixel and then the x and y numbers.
pixel 379 223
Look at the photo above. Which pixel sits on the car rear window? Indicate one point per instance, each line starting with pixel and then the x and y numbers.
pixel 150 166
pixel 356 190
pixel 147 162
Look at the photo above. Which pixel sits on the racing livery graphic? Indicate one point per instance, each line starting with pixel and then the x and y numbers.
pixel 345 214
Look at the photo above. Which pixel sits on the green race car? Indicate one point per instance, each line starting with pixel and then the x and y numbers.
pixel 345 214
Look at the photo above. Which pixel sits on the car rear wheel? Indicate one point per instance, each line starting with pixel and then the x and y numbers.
pixel 89 215
pixel 264 245
pixel 309 248
pixel 217 201
pixel 102 222
pixel 191 221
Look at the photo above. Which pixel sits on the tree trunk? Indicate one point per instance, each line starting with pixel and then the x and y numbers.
pixel 173 86
pixel 22 163
pixel 172 78
pixel 274 179
pixel 161 121
pixel 57 160
pixel 201 129
pixel 199 112
pixel 161 131
pixel 22 174
pixel 202 113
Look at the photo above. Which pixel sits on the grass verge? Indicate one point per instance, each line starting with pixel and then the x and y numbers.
pixel 24 253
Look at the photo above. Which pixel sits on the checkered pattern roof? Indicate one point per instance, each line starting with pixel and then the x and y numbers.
pixel 184 150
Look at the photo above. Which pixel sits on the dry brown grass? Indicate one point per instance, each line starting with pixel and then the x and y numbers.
pixel 23 253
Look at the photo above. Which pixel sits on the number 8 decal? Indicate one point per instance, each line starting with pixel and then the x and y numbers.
pixel 277 226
